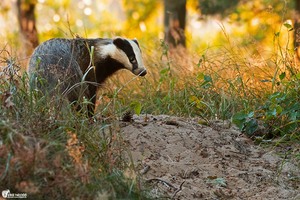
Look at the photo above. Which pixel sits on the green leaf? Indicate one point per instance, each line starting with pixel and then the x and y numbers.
pixel 164 71
pixel 200 76
pixel 282 75
pixel 239 119
pixel 207 78
pixel 220 182
pixel 240 116
pixel 279 109
pixel 137 107
pixel 251 126
pixel 271 113
pixel 199 62
pixel 245 122
pixel 251 114
pixel 288 26
pixel 194 99
pixel 277 97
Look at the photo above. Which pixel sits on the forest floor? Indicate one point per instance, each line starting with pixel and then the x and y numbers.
pixel 182 159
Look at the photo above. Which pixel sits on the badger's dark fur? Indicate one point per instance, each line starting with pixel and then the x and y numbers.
pixel 65 65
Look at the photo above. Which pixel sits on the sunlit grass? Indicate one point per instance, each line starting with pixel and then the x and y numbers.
pixel 217 83
pixel 46 144
pixel 47 149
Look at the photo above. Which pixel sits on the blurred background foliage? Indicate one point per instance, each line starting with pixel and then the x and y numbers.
pixel 239 63
pixel 249 22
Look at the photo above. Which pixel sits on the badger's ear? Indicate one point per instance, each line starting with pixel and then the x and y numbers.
pixel 135 40
pixel 118 41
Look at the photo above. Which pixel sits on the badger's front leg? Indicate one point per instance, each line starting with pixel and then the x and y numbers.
pixel 93 95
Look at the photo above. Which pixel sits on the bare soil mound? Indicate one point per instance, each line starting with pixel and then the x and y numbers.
pixel 185 160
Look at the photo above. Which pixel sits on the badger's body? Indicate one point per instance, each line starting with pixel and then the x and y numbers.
pixel 66 65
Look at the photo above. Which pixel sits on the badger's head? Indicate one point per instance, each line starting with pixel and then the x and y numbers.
pixel 127 53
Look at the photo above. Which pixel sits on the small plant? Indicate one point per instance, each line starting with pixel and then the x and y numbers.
pixel 245 122
pixel 279 113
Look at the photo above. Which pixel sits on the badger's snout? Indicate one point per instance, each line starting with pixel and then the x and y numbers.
pixel 140 72
pixel 143 73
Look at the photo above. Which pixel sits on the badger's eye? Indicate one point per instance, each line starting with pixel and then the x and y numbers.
pixel 132 59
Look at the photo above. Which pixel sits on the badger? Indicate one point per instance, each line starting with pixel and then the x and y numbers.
pixel 77 67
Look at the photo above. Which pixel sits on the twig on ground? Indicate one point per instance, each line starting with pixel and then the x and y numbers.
pixel 178 190
pixel 145 169
pixel 163 181
pixel 168 184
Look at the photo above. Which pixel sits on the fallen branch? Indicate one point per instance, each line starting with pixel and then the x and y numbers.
pixel 168 184
pixel 161 180
pixel 178 190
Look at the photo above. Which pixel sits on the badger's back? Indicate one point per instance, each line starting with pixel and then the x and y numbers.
pixel 59 64
pixel 59 59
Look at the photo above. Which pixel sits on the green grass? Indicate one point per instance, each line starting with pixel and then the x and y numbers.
pixel 224 83
pixel 49 150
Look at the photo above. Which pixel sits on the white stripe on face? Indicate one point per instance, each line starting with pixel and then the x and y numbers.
pixel 138 57
pixel 116 54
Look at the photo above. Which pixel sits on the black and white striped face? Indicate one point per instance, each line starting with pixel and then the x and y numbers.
pixel 128 53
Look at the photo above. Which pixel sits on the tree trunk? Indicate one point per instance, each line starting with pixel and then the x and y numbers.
pixel 27 24
pixel 174 22
pixel 297 29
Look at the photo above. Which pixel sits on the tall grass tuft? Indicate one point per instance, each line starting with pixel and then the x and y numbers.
pixel 50 151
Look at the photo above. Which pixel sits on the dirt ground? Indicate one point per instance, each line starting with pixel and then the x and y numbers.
pixel 185 160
